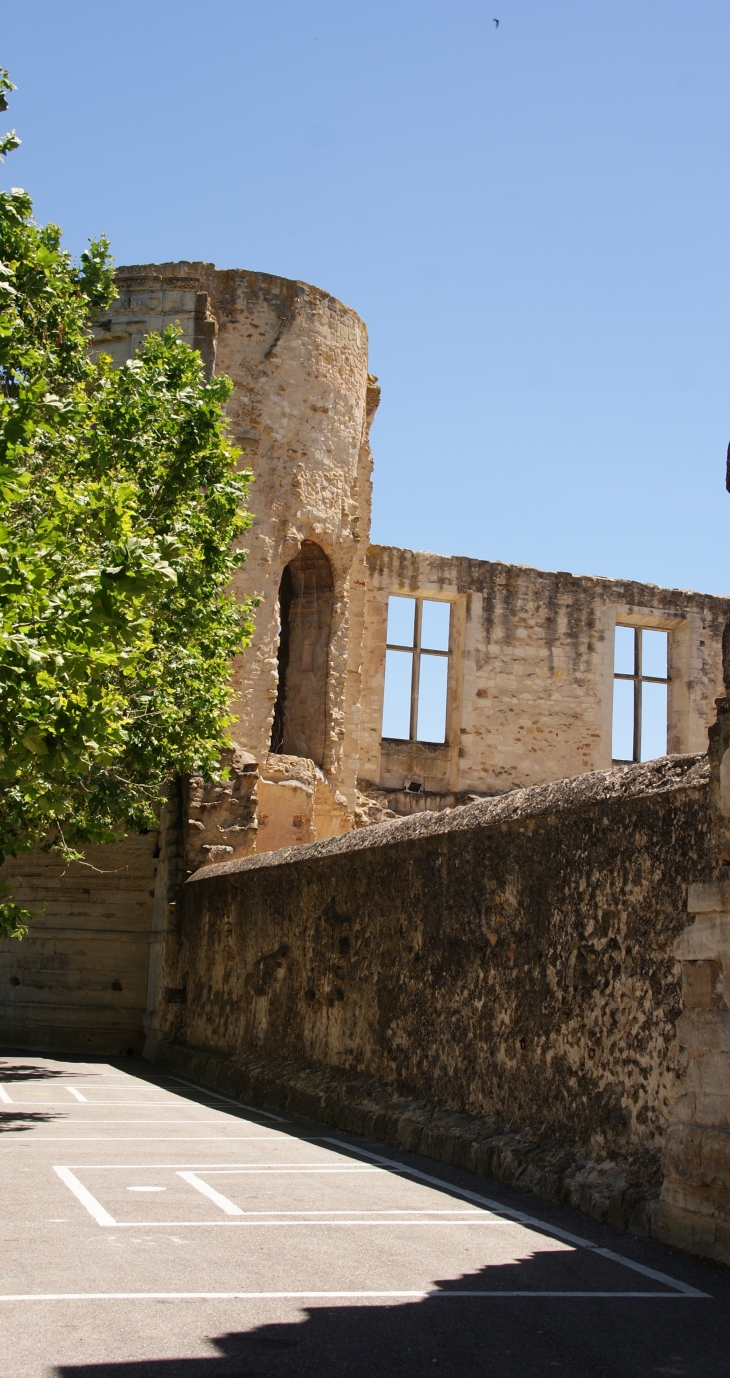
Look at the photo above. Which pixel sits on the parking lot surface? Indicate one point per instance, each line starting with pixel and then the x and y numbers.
pixel 152 1229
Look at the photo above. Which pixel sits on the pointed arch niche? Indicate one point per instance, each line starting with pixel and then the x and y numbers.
pixel 305 614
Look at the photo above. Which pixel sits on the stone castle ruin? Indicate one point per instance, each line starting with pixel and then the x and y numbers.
pixel 428 902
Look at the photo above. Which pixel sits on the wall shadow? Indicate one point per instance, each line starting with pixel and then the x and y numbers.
pixel 498 1337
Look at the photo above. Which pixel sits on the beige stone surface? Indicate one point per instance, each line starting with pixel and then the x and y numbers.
pixel 220 816
pixel 694 1210
pixel 531 670
pixel 296 804
pixel 285 814
pixel 531 652
pixel 301 410
pixel 79 979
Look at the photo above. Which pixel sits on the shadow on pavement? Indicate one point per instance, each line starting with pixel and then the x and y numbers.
pixel 30 1073
pixel 12 1121
pixel 498 1337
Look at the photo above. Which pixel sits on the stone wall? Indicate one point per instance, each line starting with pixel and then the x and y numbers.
pixel 694 1210
pixel 531 670
pixel 78 981
pixel 511 960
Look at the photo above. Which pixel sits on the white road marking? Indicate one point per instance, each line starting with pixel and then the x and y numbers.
pixel 242 1224
pixel 531 1221
pixel 73 1092
pixel 281 1224
pixel 92 1104
pixel 407 1211
pixel 239 1104
pixel 189 1167
pixel 211 1193
pixel 314 1296
pixel 84 1119
pixel 5 1097
pixel 146 1188
pixel 274 1170
pixel 96 1210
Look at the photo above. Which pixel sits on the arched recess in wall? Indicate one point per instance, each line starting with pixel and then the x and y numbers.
pixel 305 614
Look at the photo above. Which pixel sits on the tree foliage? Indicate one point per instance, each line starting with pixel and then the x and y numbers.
pixel 120 509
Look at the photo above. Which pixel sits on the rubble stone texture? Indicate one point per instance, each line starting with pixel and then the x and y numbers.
pixel 510 961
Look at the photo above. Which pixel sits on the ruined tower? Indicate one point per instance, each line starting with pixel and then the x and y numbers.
pixel 301 410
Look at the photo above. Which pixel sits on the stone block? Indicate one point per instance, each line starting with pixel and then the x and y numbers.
pixel 682 1158
pixel 703 985
pixel 692 1197
pixel 711 896
pixel 684 1229
pixel 704 1030
pixel 285 814
pixel 712 1110
pixel 715 1153
pixel 707 937
pixel 709 1075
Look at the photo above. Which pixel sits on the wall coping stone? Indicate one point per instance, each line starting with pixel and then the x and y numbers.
pixel 661 776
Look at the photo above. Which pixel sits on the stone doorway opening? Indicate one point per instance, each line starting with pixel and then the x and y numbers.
pixel 306 594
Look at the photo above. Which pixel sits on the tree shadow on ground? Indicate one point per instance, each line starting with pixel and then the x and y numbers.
pixel 12 1121
pixel 28 1072
pixel 492 1336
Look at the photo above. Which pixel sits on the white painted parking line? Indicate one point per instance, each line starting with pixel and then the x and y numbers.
pixel 274 1170
pixel 211 1193
pixel 289 1224
pixel 188 1119
pixel 520 1217
pixel 4 1096
pixel 73 1092
pixel 94 1208
pixel 93 1104
pixel 446 1295
pixel 175 1167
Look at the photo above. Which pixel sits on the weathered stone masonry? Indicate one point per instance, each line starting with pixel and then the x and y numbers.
pixel 511 961
pixel 531 664
pixel 531 671
pixel 497 985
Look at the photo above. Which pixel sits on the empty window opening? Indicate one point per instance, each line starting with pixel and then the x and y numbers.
pixel 305 618
pixel 416 669
pixel 640 688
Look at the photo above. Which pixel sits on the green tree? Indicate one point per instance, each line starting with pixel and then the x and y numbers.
pixel 120 510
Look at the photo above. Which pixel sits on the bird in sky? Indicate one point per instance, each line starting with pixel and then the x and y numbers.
pixel 496 21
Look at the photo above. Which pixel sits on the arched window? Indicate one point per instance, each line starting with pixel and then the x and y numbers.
pixel 305 616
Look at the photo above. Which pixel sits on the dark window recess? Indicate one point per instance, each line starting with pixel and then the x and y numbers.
pixel 306 595
pixel 176 995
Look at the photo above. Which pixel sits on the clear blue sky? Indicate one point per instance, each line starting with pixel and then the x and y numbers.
pixel 533 220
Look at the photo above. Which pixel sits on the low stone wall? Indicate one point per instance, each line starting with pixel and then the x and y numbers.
pixel 511 961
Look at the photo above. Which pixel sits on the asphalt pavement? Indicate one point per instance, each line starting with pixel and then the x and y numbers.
pixel 152 1229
